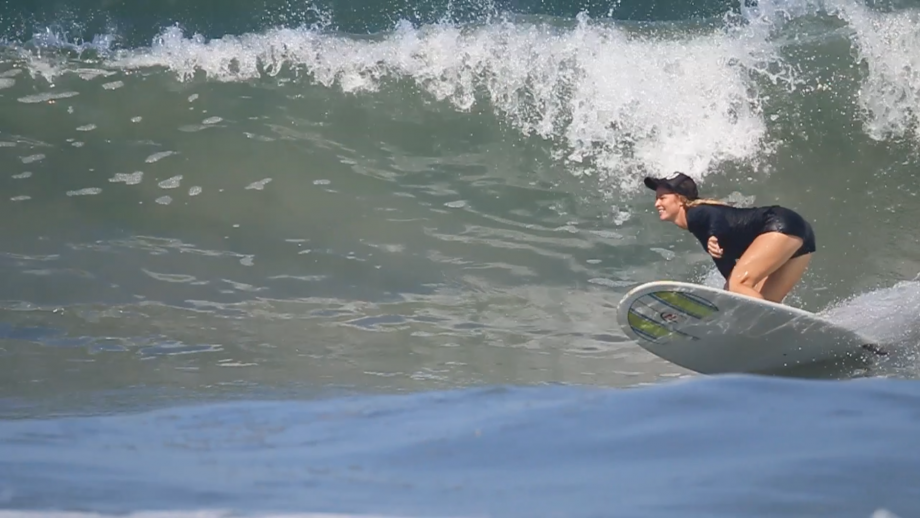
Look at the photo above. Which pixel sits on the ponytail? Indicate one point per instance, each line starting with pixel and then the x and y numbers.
pixel 702 201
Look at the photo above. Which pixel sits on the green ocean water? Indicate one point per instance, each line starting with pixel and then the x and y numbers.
pixel 206 202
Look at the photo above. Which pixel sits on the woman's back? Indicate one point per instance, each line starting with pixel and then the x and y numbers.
pixel 732 226
pixel 735 228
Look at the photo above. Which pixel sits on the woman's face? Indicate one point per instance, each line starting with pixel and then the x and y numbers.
pixel 668 204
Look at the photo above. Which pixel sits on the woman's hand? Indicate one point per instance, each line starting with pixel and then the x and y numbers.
pixel 712 246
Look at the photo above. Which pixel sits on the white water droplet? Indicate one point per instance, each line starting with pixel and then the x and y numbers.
pixel 667 254
pixel 89 191
pixel 164 200
pixel 600 281
pixel 194 191
pixel 171 183
pixel 22 175
pixel 260 138
pixel 159 156
pixel 87 127
pixel 130 179
pixel 48 96
pixel 258 186
pixel 607 234
pixel 32 158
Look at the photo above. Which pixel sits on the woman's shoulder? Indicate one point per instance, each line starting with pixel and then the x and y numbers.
pixel 704 214
pixel 715 206
pixel 716 213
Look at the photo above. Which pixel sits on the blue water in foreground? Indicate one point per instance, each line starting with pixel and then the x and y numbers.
pixel 363 257
pixel 721 446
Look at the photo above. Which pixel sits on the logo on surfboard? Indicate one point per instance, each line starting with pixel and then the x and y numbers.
pixel 658 316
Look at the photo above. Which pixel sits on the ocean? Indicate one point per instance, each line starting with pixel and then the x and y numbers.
pixel 363 258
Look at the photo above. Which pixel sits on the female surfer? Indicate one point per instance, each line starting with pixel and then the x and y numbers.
pixel 762 252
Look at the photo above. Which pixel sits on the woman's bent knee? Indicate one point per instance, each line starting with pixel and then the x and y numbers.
pixel 744 279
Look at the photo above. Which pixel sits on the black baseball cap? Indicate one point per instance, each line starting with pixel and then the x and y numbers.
pixel 678 183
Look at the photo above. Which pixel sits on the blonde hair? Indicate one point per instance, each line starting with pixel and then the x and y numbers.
pixel 700 201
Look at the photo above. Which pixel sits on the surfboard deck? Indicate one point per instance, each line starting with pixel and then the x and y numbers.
pixel 713 331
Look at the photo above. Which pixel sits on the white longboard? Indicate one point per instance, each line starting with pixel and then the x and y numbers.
pixel 711 331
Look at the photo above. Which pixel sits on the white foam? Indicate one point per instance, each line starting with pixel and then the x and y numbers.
pixel 889 314
pixel 156 157
pixel 887 44
pixel 170 277
pixel 171 183
pixel 260 138
pixel 612 103
pixel 259 185
pixel 88 74
pixel 619 105
pixel 45 97
pixel 192 128
pixel 89 191
pixel 32 158
pixel 129 179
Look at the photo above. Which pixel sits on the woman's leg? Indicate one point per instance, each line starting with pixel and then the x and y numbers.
pixel 767 254
pixel 779 283
pixel 758 286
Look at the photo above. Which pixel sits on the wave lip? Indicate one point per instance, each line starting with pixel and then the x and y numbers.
pixel 616 100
